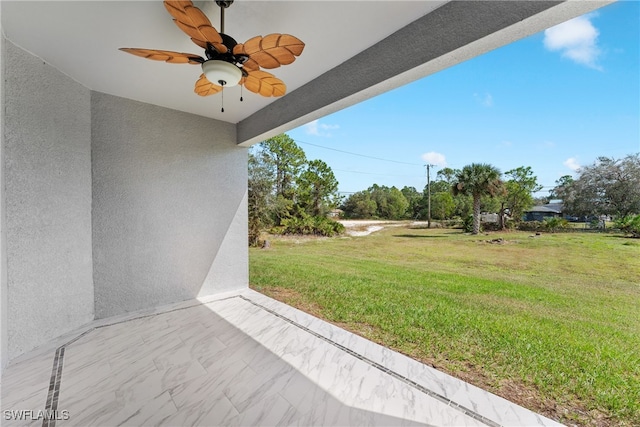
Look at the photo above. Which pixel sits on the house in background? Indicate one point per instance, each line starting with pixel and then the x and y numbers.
pixel 540 213
pixel 124 191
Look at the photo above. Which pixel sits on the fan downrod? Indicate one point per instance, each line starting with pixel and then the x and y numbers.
pixel 223 5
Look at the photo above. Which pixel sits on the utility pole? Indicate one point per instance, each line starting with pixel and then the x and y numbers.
pixel 429 195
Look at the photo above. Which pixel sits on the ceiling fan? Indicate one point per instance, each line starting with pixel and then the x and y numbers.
pixel 228 63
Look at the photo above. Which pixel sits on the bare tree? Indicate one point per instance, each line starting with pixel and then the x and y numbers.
pixel 607 187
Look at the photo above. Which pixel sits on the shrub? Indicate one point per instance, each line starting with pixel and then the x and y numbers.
pixel 531 226
pixel 467 224
pixel 552 225
pixel 629 224
pixel 490 226
pixel 254 234
pixel 452 223
pixel 555 223
pixel 510 224
pixel 595 223
pixel 311 225
pixel 278 230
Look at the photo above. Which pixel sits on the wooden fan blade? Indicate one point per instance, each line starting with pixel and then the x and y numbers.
pixel 271 51
pixel 176 9
pixel 165 55
pixel 205 88
pixel 195 24
pixel 250 65
pixel 263 83
pixel 195 36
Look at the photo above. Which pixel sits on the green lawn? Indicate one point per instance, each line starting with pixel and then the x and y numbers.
pixel 551 322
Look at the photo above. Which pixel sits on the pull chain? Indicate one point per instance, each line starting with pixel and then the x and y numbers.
pixel 240 93
pixel 222 93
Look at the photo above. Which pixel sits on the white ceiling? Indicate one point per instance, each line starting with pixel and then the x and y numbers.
pixel 81 39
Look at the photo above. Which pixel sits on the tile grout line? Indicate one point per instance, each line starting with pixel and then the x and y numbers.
pixel 51 405
pixel 57 362
pixel 469 412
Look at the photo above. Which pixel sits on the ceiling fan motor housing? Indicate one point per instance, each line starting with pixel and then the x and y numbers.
pixel 228 56
pixel 222 68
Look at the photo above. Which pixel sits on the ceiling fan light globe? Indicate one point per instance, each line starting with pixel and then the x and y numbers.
pixel 221 72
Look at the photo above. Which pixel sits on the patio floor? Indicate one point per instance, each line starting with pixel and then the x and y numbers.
pixel 237 359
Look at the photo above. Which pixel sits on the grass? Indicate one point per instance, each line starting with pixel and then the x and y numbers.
pixel 551 322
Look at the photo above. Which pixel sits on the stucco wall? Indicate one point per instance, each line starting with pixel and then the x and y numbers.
pixel 169 206
pixel 4 355
pixel 111 205
pixel 47 176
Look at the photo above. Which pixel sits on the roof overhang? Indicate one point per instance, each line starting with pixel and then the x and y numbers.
pixel 354 49
pixel 453 33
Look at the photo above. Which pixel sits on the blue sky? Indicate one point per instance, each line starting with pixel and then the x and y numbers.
pixel 554 101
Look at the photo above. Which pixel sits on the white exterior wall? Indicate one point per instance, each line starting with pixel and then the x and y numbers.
pixel 4 335
pixel 47 202
pixel 111 205
pixel 170 214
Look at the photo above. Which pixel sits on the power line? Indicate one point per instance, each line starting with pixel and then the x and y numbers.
pixel 357 154
pixel 380 159
pixel 377 174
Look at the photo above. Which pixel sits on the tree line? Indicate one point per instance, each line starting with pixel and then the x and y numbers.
pixel 455 194
pixel 609 187
pixel 290 194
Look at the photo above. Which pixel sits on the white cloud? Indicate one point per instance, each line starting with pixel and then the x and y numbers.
pixel 576 39
pixel 434 158
pixel 486 99
pixel 319 129
pixel 572 163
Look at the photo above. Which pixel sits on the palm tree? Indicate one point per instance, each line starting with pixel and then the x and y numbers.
pixel 477 180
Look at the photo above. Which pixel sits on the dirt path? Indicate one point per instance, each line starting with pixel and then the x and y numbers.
pixel 362 227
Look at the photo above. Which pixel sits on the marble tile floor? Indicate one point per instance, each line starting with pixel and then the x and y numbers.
pixel 238 359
